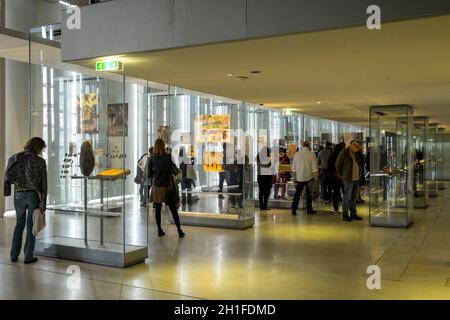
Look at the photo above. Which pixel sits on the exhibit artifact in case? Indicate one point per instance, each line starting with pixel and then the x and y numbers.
pixel 391 187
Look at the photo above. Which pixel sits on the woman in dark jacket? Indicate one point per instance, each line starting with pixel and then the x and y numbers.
pixel 337 181
pixel 27 170
pixel 161 171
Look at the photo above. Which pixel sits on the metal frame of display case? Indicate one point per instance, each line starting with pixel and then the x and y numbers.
pixel 391 190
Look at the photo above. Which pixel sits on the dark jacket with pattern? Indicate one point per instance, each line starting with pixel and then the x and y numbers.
pixel 28 170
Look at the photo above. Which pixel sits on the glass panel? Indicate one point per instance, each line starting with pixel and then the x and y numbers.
pixel 206 137
pixel 390 166
pixel 432 156
pixel 420 161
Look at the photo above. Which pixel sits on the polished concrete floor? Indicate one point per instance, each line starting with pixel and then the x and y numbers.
pixel 282 257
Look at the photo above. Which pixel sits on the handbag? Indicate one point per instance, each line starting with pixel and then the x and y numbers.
pixel 38 221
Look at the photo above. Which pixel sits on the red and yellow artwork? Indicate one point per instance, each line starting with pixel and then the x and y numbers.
pixel 213 128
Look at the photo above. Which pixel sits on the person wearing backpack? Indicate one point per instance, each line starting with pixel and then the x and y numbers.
pixel 144 184
pixel 27 171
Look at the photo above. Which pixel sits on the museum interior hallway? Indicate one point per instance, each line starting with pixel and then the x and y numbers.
pixel 282 257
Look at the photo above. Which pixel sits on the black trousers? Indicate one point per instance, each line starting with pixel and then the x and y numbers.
pixel 265 187
pixel 173 210
pixel 222 176
pixel 298 192
pixel 338 186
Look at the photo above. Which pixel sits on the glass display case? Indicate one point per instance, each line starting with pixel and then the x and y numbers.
pixel 420 161
pixel 92 124
pixel 208 141
pixel 440 169
pixel 432 160
pixel 391 187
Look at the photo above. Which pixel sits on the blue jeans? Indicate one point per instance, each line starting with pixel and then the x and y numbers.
pixel 143 192
pixel 351 193
pixel 24 202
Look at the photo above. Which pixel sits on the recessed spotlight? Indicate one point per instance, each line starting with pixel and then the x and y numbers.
pixel 255 71
pixel 319 102
pixel 230 74
pixel 242 78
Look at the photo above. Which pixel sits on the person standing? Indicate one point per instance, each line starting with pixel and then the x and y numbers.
pixel 27 170
pixel 362 175
pixel 223 174
pixel 348 167
pixel 304 166
pixel 265 177
pixel 324 177
pixel 283 176
pixel 336 179
pixel 162 171
pixel 144 185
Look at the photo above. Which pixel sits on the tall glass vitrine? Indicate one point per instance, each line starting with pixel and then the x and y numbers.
pixel 391 187
pixel 432 162
pixel 420 161
pixel 90 122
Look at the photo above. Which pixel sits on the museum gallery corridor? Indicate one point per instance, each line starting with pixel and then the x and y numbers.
pixel 282 257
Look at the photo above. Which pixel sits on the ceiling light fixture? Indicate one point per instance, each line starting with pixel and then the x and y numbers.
pixel 230 74
pixel 255 71
pixel 319 102
pixel 242 78
pixel 66 4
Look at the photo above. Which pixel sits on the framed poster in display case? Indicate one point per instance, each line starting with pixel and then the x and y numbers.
pixel 87 116
pixel 118 120
pixel 391 185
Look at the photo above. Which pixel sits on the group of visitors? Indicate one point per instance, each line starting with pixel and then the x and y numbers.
pixel 339 169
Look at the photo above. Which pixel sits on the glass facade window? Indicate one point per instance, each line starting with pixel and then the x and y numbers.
pixel 391 188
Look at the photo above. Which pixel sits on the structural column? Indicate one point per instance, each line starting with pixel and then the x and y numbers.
pixel 2 134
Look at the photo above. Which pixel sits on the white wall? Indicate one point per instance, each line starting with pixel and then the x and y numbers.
pixel 2 134
pixel 21 15
pixel 16 113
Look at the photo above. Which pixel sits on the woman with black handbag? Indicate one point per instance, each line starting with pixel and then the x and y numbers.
pixel 163 173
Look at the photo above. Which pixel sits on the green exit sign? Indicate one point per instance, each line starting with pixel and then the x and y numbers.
pixel 109 65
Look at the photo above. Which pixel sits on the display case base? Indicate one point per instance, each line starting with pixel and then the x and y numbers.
pixel 433 194
pixel 226 221
pixel 108 254
pixel 386 225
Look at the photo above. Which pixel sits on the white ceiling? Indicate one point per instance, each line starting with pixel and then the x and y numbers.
pixel 347 70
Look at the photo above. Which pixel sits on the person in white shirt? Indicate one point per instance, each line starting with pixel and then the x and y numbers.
pixel 305 169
